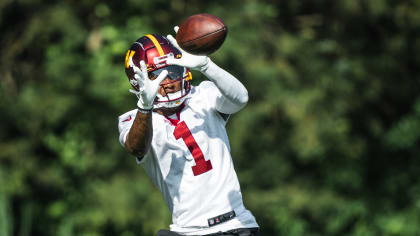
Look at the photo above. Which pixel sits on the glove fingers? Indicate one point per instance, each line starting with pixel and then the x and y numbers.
pixel 156 82
pixel 174 42
pixel 143 67
pixel 173 61
pixel 161 77
pixel 136 70
pixel 131 63
pixel 139 80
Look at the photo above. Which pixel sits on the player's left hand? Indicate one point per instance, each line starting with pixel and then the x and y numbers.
pixel 188 60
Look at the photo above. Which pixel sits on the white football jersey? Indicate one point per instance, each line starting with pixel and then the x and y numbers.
pixel 190 162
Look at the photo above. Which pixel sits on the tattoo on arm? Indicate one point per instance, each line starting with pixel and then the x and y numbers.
pixel 140 135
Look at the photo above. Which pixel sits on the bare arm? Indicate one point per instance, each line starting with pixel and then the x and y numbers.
pixel 139 137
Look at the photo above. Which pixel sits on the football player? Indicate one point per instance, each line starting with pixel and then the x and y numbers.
pixel 178 135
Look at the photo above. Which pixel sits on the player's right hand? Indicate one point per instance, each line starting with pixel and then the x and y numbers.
pixel 188 60
pixel 147 88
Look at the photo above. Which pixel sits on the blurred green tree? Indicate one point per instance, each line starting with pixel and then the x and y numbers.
pixel 328 144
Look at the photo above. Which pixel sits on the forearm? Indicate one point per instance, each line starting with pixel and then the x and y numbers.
pixel 140 135
pixel 234 92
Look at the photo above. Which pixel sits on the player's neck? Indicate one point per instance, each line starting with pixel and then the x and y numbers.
pixel 168 111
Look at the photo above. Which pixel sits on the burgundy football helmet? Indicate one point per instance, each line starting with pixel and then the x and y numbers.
pixel 154 50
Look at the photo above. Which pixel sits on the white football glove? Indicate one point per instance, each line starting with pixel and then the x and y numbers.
pixel 147 88
pixel 188 60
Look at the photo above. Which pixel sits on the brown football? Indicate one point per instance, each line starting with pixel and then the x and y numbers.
pixel 201 34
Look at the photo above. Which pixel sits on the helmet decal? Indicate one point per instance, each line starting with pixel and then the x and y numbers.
pixel 128 56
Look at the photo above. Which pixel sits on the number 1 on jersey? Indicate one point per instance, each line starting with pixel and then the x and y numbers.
pixel 201 165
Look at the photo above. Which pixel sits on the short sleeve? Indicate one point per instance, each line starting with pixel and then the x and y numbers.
pixel 125 121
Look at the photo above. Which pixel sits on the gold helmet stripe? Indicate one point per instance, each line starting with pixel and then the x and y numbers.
pixel 156 43
pixel 128 56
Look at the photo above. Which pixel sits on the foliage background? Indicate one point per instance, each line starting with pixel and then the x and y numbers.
pixel 328 144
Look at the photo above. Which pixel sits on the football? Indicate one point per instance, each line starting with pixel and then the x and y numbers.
pixel 201 34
